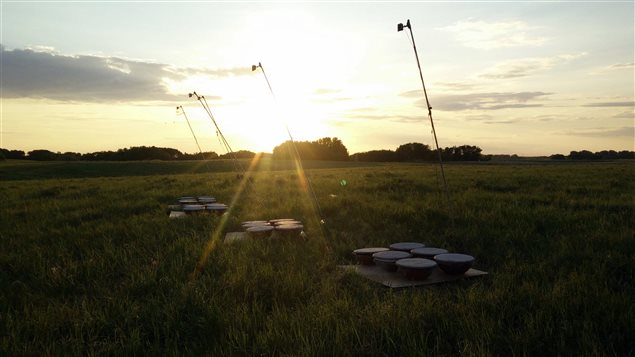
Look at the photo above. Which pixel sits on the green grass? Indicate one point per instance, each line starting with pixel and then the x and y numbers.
pixel 93 266
pixel 34 170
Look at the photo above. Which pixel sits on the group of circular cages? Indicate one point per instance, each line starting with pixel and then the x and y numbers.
pixel 281 227
pixel 199 205
pixel 414 260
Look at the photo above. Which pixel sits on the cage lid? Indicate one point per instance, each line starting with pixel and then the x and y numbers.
pixel 369 251
pixel 406 246
pixel 249 222
pixel 391 255
pixel 285 223
pixel 256 229
pixel 188 201
pixel 454 258
pixel 206 200
pixel 428 251
pixel 273 221
pixel 216 206
pixel 416 263
pixel 290 227
pixel 193 207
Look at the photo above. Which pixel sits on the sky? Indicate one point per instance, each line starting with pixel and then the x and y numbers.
pixel 525 78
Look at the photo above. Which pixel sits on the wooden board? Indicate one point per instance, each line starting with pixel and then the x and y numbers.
pixel 233 237
pixel 396 280
pixel 176 214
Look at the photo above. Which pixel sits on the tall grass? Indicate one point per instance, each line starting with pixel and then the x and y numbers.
pixel 93 265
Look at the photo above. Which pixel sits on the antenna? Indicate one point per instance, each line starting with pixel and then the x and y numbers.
pixel 181 110
pixel 295 149
pixel 400 28
pixel 237 166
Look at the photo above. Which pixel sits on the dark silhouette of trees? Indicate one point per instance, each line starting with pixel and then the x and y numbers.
pixel 322 149
pixel 376 156
pixel 129 154
pixel 415 152
pixel 626 154
pixel 69 156
pixel 148 153
pixel 581 155
pixel 557 157
pixel 240 154
pixel 461 153
pixel 11 154
pixel 41 155
pixel 420 152
pixel 208 155
pixel 601 155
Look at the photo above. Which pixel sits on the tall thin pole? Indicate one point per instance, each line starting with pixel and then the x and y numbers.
pixel 228 148
pixel 295 149
pixel 180 107
pixel 425 93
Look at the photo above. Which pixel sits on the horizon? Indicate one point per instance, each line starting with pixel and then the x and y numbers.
pixel 511 78
pixel 271 152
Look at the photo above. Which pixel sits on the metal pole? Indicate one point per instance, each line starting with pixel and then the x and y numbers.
pixel 191 130
pixel 205 106
pixel 295 149
pixel 425 93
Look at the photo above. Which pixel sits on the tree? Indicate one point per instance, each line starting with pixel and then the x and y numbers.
pixel 376 156
pixel 240 154
pixel 42 155
pixel 69 156
pixel 208 155
pixel 557 157
pixel 469 153
pixel 148 153
pixel 581 155
pixel 12 154
pixel 414 152
pixel 321 149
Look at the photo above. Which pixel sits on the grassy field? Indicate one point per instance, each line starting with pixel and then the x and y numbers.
pixel 92 265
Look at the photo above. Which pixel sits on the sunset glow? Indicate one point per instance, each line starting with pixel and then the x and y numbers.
pixel 530 79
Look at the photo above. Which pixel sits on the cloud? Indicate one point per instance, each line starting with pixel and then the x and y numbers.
pixel 625 131
pixel 509 121
pixel 326 91
pixel 365 109
pixel 455 86
pixel 390 117
pixel 625 115
pixel 622 66
pixel 490 35
pixel 611 104
pixel 615 67
pixel 478 117
pixel 527 66
pixel 482 101
pixel 42 73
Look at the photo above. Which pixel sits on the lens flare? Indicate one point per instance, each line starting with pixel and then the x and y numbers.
pixel 215 238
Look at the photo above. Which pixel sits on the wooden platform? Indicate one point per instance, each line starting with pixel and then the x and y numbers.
pixel 396 280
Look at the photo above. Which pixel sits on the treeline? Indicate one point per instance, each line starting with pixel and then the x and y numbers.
pixel 135 153
pixel 422 152
pixel 331 149
pixel 599 155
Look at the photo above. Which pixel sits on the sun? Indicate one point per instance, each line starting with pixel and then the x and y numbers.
pixel 298 63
